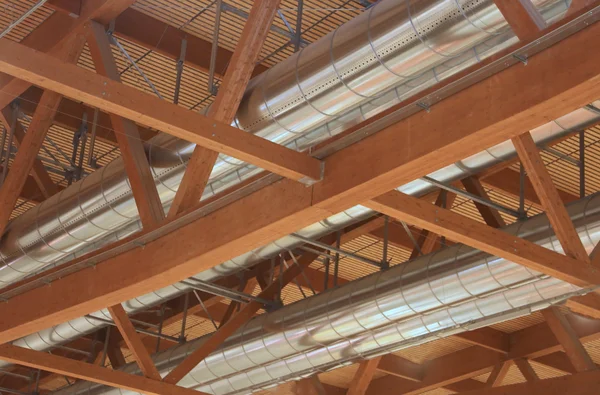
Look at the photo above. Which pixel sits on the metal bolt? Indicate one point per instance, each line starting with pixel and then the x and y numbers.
pixel 214 134
pixel 104 83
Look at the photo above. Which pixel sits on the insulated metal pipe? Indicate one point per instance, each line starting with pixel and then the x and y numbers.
pixel 388 53
pixel 449 291
pixel 60 229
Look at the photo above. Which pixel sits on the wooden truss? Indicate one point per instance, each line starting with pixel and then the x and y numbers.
pixel 177 250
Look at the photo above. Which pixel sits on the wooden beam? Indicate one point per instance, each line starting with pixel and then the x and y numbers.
pixel 427 240
pixel 397 235
pixel 579 384
pixel 486 337
pixel 498 374
pixel 31 143
pixel 577 5
pixel 113 352
pixel 400 367
pixel 522 16
pixel 533 342
pixel 164 39
pixel 44 183
pixel 226 104
pixel 134 157
pixel 490 215
pixel 363 376
pixel 88 372
pixel 50 37
pixel 131 103
pixel 245 313
pixel 568 339
pixel 551 201
pixel 508 181
pixel 134 343
pixel 483 237
pixel 539 340
pixel 70 113
pixel 588 305
pixel 440 372
pixel 309 386
pixel 284 207
pixel 526 370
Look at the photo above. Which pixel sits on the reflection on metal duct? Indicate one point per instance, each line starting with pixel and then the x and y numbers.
pixel 329 85
pixel 388 53
pixel 437 295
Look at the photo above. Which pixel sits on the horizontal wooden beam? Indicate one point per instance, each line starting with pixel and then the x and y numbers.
pixel 128 102
pixel 400 367
pixel 537 342
pixel 89 372
pixel 284 207
pixel 159 37
pixel 508 182
pixel 486 337
pixel 480 236
pixel 51 35
pixel 579 384
pixel 588 305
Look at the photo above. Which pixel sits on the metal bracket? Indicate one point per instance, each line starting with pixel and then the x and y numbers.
pixel 521 58
pixel 424 106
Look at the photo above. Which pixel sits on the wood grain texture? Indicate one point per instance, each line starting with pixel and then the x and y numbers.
pixel 568 339
pixel 133 341
pixel 131 145
pixel 483 237
pixel 551 200
pixel 286 206
pixel 225 106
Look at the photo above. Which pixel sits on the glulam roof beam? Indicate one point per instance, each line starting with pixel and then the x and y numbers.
pixel 51 35
pixel 31 143
pixel 309 386
pixel 536 342
pixel 490 215
pixel 160 37
pixel 89 372
pixel 498 374
pixel 508 182
pixel 131 103
pixel 427 240
pixel 363 376
pixel 565 334
pixel 285 206
pixel 131 146
pixel 227 101
pixel 133 341
pixel 45 185
pixel 522 16
pixel 579 384
pixel 482 237
pixel 588 305
pixel 550 198
pixel 239 319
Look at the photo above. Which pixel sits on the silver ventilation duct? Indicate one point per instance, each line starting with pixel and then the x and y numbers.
pixel 453 290
pixel 388 53
pixel 101 206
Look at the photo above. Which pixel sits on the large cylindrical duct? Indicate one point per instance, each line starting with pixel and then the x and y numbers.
pixel 82 223
pixel 449 291
pixel 388 53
